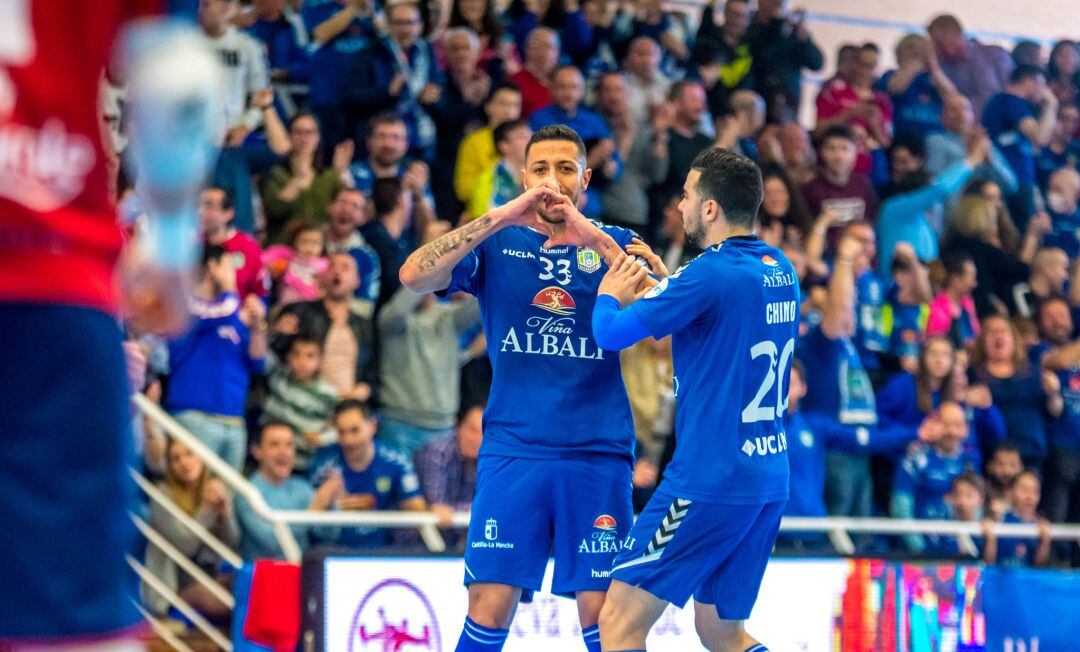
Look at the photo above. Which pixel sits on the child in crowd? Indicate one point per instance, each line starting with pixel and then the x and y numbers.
pixel 1004 465
pixel 1024 494
pixel 298 397
pixel 965 502
pixel 295 268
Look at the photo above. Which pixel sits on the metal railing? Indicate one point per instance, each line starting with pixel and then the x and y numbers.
pixel 838 529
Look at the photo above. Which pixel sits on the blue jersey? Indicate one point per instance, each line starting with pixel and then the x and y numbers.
pixel 837 383
pixel 389 479
pixel 554 393
pixel 806 455
pixel 927 476
pixel 1002 116
pixel 905 324
pixel 733 314
pixel 871 337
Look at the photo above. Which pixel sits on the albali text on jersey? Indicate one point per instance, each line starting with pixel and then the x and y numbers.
pixel 554 393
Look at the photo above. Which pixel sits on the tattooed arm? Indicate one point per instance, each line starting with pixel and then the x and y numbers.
pixel 430 267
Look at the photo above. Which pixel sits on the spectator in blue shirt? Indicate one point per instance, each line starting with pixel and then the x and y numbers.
pixel 274 449
pixel 1063 207
pixel 567 93
pixel 916 87
pixel 1024 495
pixel 926 474
pixel 285 43
pixel 1027 399
pixel 1011 122
pixel 399 74
pixel 1063 150
pixel 339 29
pixel 1060 355
pixel 909 398
pixel 374 477
pixel 965 502
pixel 577 37
pixel 906 308
pixel 212 363
pixel 840 390
pixel 387 157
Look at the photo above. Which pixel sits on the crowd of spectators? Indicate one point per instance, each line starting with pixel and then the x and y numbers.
pixel 932 212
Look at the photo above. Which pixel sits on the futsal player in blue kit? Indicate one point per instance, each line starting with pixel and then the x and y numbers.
pixel 733 315
pixel 555 465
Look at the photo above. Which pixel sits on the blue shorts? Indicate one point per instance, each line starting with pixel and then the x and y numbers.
pixel 65 442
pixel 715 553
pixel 576 510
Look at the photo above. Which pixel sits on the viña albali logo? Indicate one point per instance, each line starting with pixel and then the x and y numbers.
pixel 552 335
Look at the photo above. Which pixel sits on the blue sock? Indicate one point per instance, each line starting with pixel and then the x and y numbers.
pixel 592 638
pixel 477 638
pixel 757 647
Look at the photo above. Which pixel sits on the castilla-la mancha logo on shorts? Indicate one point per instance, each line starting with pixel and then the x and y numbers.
pixel 394 616
pixel 556 300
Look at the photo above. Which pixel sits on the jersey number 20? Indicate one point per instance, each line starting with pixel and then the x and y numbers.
pixel 755 411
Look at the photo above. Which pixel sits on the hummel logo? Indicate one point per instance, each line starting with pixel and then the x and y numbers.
pixel 748 448
pixel 676 513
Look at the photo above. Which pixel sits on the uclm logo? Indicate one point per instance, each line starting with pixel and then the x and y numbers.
pixel 394 616
pixel 556 300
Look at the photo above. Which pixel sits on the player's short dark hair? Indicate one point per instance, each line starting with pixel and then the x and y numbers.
pixel 212 252
pixel 257 436
pixel 502 133
pixel 557 132
pixel 385 195
pixel 837 131
pixel 228 202
pixel 348 404
pixel 731 180
pixel 1025 71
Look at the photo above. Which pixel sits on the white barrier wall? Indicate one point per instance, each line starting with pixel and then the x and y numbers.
pixel 419 604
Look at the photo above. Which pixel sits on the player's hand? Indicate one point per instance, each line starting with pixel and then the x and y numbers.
pixel 521 211
pixel 645 252
pixel 645 474
pixel 574 230
pixel 623 280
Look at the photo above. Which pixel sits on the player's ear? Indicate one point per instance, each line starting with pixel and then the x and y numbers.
pixel 586 176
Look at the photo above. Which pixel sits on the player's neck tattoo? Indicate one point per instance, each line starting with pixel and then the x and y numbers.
pixel 434 251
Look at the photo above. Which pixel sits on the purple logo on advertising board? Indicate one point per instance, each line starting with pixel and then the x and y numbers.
pixel 394 616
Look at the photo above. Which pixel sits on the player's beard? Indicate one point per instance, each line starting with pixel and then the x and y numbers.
pixel 694 229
